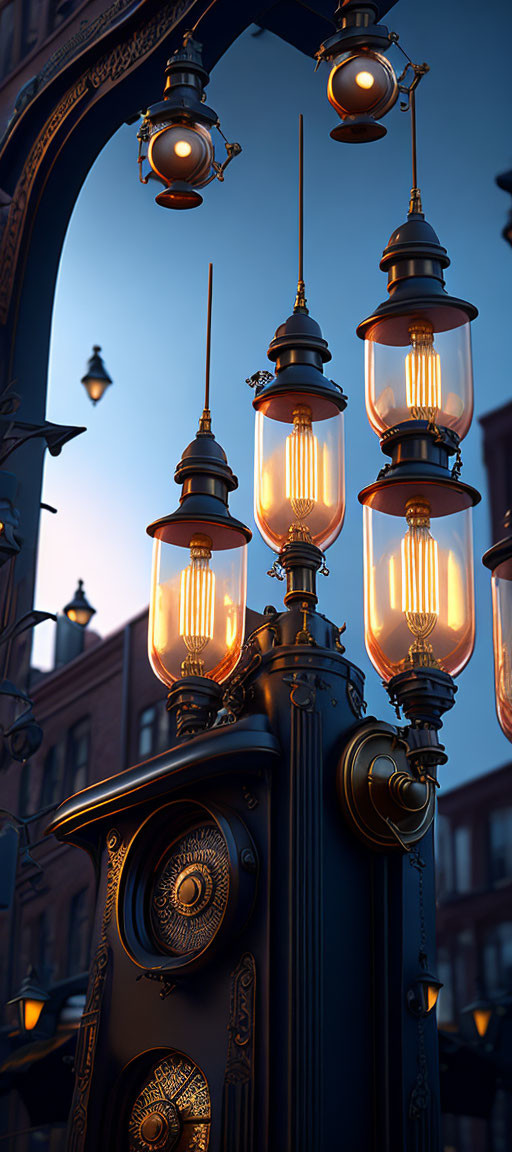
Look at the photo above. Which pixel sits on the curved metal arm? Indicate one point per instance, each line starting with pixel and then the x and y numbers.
pixel 142 137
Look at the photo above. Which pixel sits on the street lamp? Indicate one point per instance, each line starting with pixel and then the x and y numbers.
pixel 480 1012
pixel 96 379
pixel 79 611
pixel 176 132
pixel 198 591
pixel 299 475
pixel 499 560
pixel 422 997
pixel 30 1000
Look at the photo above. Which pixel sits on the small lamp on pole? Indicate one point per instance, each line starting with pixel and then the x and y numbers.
pixel 30 1000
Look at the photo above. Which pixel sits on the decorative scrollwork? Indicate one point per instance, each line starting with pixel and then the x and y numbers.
pixel 191 891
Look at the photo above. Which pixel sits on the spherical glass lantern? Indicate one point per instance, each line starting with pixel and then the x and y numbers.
pixel 299 471
pixel 499 559
pixel 418 576
pixel 416 368
pixel 179 154
pixel 197 608
pixel 362 83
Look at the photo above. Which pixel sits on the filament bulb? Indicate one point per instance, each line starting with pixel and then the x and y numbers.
pixel 420 582
pixel 423 373
pixel 197 604
pixel 301 471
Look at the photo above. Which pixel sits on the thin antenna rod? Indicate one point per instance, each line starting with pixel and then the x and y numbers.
pixel 415 204
pixel 205 423
pixel 300 300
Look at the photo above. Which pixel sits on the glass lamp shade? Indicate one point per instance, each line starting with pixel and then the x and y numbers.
pixel 362 83
pixel 182 152
pixel 299 471
pixel 197 608
pixel 502 637
pixel 418 580
pixel 417 369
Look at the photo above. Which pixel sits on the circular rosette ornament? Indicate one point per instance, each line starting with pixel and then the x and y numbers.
pixel 172 1112
pixel 188 883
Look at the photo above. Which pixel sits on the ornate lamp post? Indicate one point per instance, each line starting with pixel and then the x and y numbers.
pixel 79 611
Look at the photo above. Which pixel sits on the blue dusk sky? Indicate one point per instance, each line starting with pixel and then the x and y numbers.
pixel 133 278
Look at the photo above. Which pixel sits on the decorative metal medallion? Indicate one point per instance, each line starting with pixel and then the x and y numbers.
pixel 191 891
pixel 172 1112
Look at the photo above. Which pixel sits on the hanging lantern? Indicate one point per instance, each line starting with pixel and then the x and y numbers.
pixel 79 611
pixel 198 588
pixel 299 478
pixel 423 996
pixel 30 1001
pixel 299 472
pixel 418 362
pixel 362 84
pixel 176 133
pixel 480 1012
pixel 499 560
pixel 96 379
pixel 418 572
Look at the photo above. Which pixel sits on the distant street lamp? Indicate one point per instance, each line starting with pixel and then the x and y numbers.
pixel 79 611
pixel 480 1012
pixel 499 560
pixel 96 379
pixel 30 1000
pixel 177 133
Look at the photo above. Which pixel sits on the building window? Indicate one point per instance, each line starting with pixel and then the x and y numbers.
pixel 500 844
pixel 445 1006
pixel 498 960
pixel 154 729
pixel 464 970
pixel 24 802
pixel 78 755
pixel 53 776
pixel 79 933
pixel 146 732
pixel 444 860
pixel 6 38
pixel 462 858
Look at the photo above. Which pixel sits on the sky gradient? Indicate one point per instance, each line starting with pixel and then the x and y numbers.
pixel 133 278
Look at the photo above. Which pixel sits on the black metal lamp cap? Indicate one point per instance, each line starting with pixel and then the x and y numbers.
pixel 299 352
pixel 207 479
pixel 356 27
pixel 30 989
pixel 414 260
pixel 186 79
pixel 96 369
pixel 80 603
pixel 499 554
pixel 444 494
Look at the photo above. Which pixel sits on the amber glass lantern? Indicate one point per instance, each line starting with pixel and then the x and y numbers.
pixel 198 587
pixel 299 478
pixel 418 575
pixel 418 362
pixel 499 560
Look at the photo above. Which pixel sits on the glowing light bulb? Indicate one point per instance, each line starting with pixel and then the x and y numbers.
pixel 182 148
pixel 365 80
pixel 420 582
pixel 32 1012
pixel 423 373
pixel 301 471
pixel 197 605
